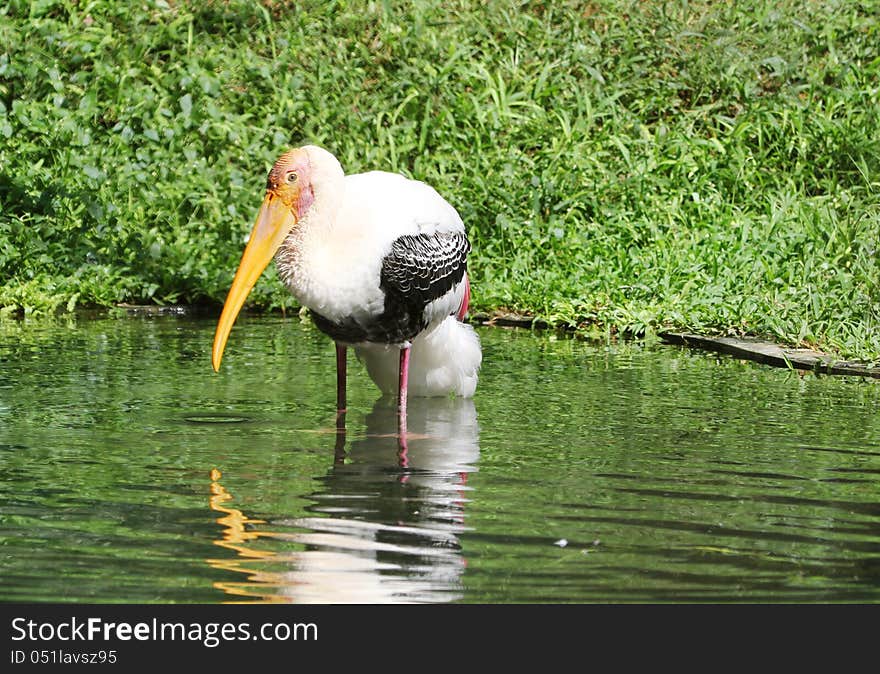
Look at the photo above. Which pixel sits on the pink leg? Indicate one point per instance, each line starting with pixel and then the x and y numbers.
pixel 401 390
pixel 340 377
pixel 404 379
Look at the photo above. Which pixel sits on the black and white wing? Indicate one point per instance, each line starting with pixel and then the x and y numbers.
pixel 420 277
pixel 420 272
pixel 422 268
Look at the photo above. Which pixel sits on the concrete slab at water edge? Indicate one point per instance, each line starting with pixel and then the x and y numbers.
pixel 769 353
pixel 749 348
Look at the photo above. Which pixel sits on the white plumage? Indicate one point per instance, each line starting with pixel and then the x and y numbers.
pixel 380 261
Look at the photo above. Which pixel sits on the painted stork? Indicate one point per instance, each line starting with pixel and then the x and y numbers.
pixel 381 262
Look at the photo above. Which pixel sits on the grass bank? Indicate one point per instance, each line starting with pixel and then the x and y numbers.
pixel 621 166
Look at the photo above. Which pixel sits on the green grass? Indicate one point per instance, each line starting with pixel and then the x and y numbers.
pixel 621 166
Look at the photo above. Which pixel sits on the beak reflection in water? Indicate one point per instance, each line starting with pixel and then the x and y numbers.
pixel 383 524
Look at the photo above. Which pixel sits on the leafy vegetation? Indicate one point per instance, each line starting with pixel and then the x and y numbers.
pixel 621 166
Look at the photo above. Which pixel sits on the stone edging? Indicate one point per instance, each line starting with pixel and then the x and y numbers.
pixel 772 354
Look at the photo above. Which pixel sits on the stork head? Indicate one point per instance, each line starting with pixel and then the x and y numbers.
pixel 290 194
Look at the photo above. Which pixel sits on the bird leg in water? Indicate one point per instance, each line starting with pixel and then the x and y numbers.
pixel 339 446
pixel 341 352
pixel 402 451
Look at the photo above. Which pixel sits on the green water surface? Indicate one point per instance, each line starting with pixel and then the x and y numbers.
pixel 131 472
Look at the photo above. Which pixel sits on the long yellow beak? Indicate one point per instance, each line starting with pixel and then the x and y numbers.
pixel 274 222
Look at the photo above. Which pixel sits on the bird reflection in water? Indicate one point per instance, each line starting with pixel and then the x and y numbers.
pixel 384 522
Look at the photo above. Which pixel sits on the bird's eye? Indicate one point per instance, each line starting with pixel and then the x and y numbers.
pixel 291 178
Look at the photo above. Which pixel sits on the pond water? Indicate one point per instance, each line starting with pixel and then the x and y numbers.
pixel 581 472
